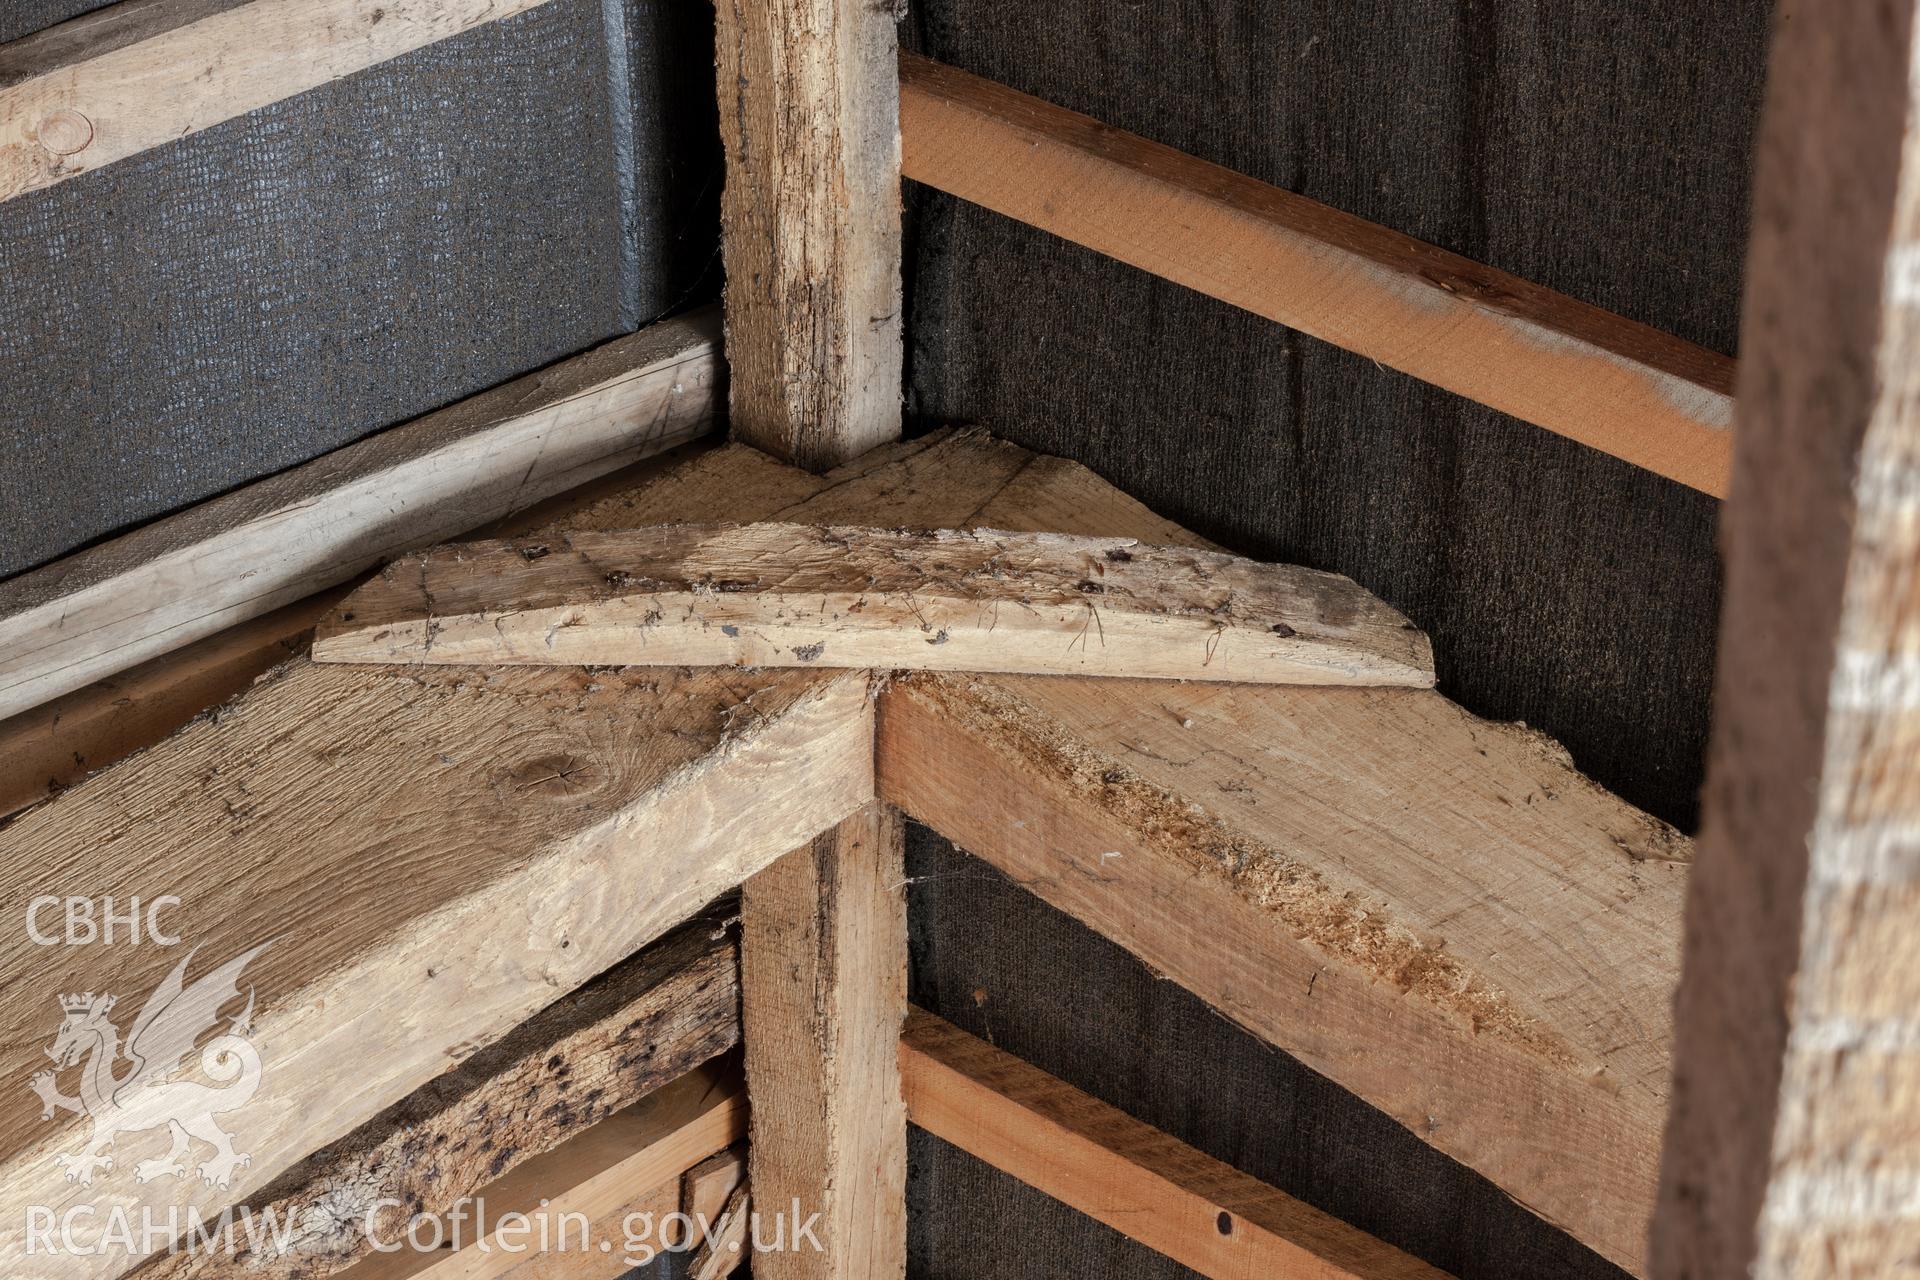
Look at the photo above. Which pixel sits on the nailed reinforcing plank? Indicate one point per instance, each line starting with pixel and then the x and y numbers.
pixel 1153 1188
pixel 1616 385
pixel 74 100
pixel 823 993
pixel 788 595
pixel 605 1047
pixel 233 558
pixel 593 1176
pixel 1791 1154
pixel 810 225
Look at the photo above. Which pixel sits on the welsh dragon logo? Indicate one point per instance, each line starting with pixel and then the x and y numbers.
pixel 146 1095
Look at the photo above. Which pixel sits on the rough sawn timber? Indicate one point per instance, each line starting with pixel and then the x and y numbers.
pixel 1435 911
pixel 810 225
pixel 501 838
pixel 634 1029
pixel 1552 901
pixel 1611 383
pixel 1151 1187
pixel 1794 1150
pixel 823 994
pixel 595 1175
pixel 773 594
pixel 1484 946
pixel 236 557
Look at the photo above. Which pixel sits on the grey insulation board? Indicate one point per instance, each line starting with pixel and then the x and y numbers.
pixel 20 18
pixel 990 957
pixel 1599 147
pixel 250 297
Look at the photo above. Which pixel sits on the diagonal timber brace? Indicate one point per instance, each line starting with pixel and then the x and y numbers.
pixel 1462 905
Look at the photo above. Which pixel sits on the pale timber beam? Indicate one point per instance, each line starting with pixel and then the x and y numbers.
pixel 1507 876
pixel 630 1162
pixel 1207 1216
pixel 1437 912
pixel 512 835
pixel 598 1051
pixel 1611 383
pixel 268 544
pixel 823 993
pixel 810 224
pixel 106 86
pixel 1794 1147
pixel 773 594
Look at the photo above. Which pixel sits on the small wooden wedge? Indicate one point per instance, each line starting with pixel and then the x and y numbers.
pixel 786 595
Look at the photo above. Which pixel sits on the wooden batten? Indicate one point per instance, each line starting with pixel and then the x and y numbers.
pixel 1205 1215
pixel 234 558
pixel 1608 382
pixel 787 595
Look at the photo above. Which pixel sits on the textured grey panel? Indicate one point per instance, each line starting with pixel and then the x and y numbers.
pixel 1007 1229
pixel 1598 147
pixel 992 958
pixel 245 299
pixel 24 17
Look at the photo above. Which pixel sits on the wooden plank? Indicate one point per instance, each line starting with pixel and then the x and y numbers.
pixel 1499 979
pixel 785 595
pixel 571 1066
pixel 49 748
pixel 632 1228
pixel 708 1186
pixel 810 223
pixel 823 993
pixel 500 840
pixel 1608 382
pixel 1205 1215
pixel 595 1175
pixel 544 827
pixel 245 554
pixel 1792 1148
pixel 53 746
pixel 723 1250
pixel 1433 911
pixel 75 101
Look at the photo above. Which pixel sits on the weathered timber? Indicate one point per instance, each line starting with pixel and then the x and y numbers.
pixel 1796 1119
pixel 595 1175
pixel 823 993
pixel 787 595
pixel 236 557
pixel 810 225
pixel 643 1024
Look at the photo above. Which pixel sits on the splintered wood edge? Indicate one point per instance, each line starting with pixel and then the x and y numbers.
pixel 790 595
